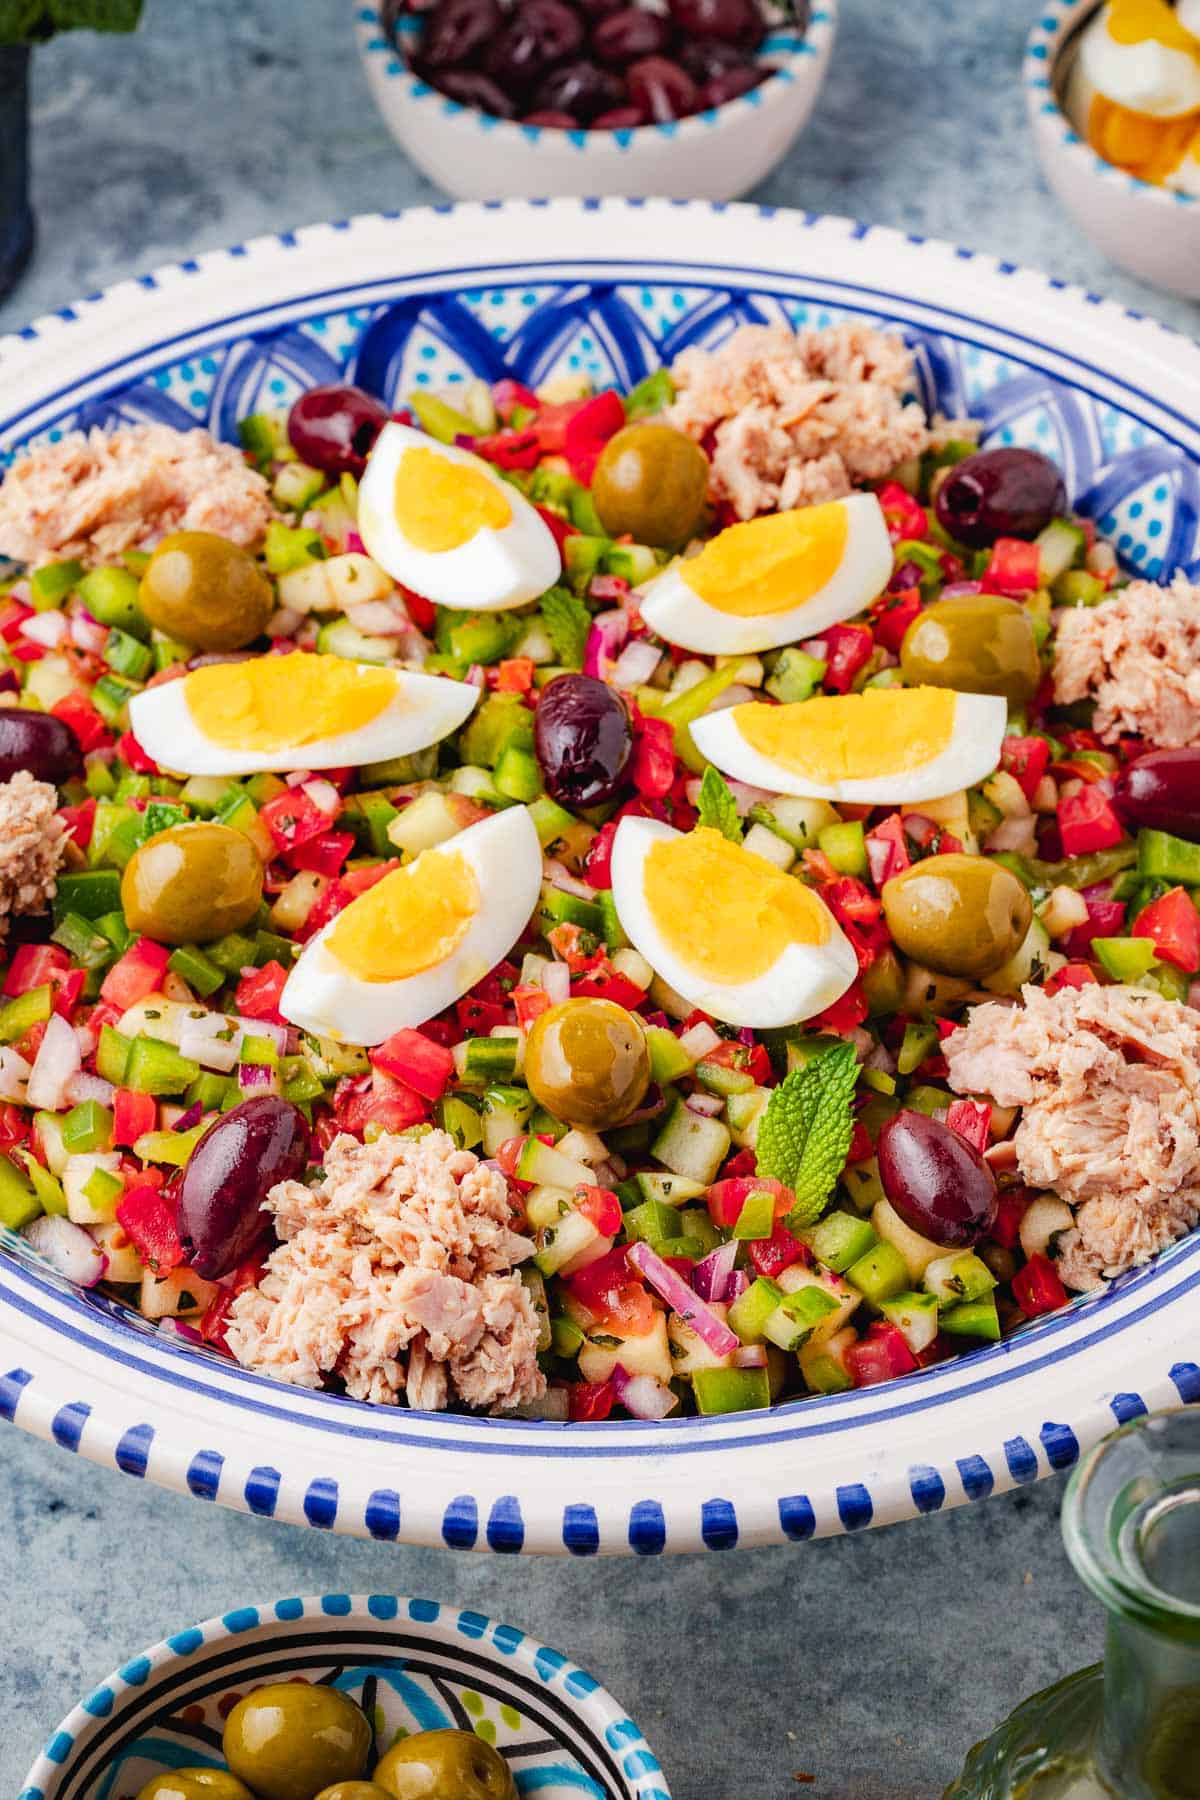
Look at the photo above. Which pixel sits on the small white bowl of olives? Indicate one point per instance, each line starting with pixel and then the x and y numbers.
pixel 345 1697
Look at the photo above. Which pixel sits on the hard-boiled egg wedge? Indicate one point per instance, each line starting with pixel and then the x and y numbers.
pixel 1137 55
pixel 883 747
pixel 773 580
pixel 441 521
pixel 416 941
pixel 725 928
pixel 294 712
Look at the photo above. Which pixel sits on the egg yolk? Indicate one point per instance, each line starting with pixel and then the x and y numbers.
pixel 844 737
pixel 726 913
pixel 1146 147
pixel 276 702
pixel 441 504
pixel 412 920
pixel 772 564
pixel 1147 21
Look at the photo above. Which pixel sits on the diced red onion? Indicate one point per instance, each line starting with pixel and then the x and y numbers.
pixel 642 1395
pixel 68 1248
pixel 881 1058
pixel 750 1356
pixel 258 1078
pixel 605 642
pixel 654 1104
pixel 880 856
pixel 192 1115
pixel 556 982
pixel 735 1286
pixel 283 622
pixel 14 1074
pixel 681 1299
pixel 9 682
pixel 1014 834
pixel 90 1087
pixel 953 589
pixel 744 795
pixel 47 628
pixel 179 1328
pixel 746 1036
pixel 737 695
pixel 707 1105
pixel 476 676
pixel 57 1061
pixel 88 633
pixel 200 1040
pixel 698 1040
pixel 298 777
pixel 324 795
pixel 354 544
pixel 920 829
pixel 267 1028
pixel 566 883
pixel 378 618
pixel 635 665
pixel 710 1275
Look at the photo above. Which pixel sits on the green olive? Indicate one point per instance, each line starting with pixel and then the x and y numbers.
pixel 192 883
pixel 961 915
pixel 195 1784
pixel 445 1765
pixel 202 589
pixel 353 1790
pixel 291 1739
pixel 587 1061
pixel 651 481
pixel 976 643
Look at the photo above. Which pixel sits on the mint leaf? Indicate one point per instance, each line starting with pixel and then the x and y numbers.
pixel 805 1132
pixel 718 808
pixel 567 622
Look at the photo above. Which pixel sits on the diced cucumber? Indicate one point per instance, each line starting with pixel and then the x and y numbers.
pixel 719 1078
pixel 731 1390
pixel 845 846
pixel 761 841
pixel 749 1313
pixel 506 1114
pixel 743 1113
pixel 550 820
pixel 757 1217
pixel 880 1274
pixel 915 1316
pixel 1033 960
pixel 823 1362
pixel 1060 546
pixel 689 1352
pixel 295 487
pixel 19 1203
pixel 87 1207
pixel 670 1190
pixel 546 1205
pixel 797 1317
pixel 840 1239
pixel 699 1229
pixel 847 1299
pixel 428 820
pixel 649 1353
pixel 796 821
pixel 959 1277
pixel 916 1252
pixel 863 1186
pixel 668 1059
pixel 692 1145
pixel 795 675
pixel 339 637
pixel 558 908
pixel 113 597
pixel 541 1163
pixel 652 1222
pixel 976 1318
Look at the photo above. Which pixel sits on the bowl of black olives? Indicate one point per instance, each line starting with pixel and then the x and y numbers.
pixel 347 1698
pixel 692 99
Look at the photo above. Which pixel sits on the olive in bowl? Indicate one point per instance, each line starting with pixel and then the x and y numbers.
pixel 652 482
pixel 195 1784
pixel 587 1061
pixel 291 1739
pixel 206 591
pixel 961 915
pixel 192 883
pixel 445 1765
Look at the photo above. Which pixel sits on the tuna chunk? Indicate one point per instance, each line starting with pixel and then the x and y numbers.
pixel 94 496
pixel 795 418
pixel 1138 657
pixel 33 840
pixel 1108 1080
pixel 395 1275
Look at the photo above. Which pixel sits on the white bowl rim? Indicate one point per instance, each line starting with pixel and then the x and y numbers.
pixel 130 1399
pixel 438 1621
pixel 386 67
pixel 1045 41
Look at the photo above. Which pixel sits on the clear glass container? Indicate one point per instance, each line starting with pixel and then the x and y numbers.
pixel 1129 1727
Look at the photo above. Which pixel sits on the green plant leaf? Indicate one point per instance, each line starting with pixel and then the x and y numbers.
pixel 568 622
pixel 718 808
pixel 94 15
pixel 805 1132
pixel 22 21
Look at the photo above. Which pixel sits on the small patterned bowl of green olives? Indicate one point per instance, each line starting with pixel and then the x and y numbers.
pixel 347 1698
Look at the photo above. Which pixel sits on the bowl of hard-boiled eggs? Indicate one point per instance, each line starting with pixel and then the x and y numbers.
pixel 1114 97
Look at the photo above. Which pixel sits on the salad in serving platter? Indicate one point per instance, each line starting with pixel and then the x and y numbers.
pixel 587 904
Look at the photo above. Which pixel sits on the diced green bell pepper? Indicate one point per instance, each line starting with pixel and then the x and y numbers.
pixel 87 1126
pixel 1169 858
pixel 757 1217
pixel 198 970
pixel 840 1239
pixel 731 1390
pixel 112 597
pixel 155 1067
pixel 23 1011
pixel 50 585
pixel 19 1204
pixel 1124 958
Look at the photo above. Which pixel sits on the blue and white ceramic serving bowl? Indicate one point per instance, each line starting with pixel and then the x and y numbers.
pixel 717 155
pixel 412 1665
pixel 429 299
pixel 1150 230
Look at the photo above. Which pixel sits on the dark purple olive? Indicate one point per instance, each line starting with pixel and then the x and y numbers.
pixel 1161 791
pixel 705 57
pixel 541 34
pixel 628 34
pixel 582 89
pixel 583 738
pixel 595 10
pixel 471 88
pixel 228 1176
pixel 621 118
pixel 733 21
pixel 334 428
pixel 730 86
pixel 662 88
pixel 937 1182
pixel 1000 493
pixel 459 31
pixel 39 742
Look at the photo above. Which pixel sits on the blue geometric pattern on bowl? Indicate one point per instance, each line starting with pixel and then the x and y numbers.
pixel 413 1665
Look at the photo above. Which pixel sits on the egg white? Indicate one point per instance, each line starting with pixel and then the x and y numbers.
pixel 492 571
pixel 1149 78
pixel 324 996
pixel 972 753
pixel 804 980
pixel 675 612
pixel 425 709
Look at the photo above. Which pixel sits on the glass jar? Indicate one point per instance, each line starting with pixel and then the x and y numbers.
pixel 1129 1727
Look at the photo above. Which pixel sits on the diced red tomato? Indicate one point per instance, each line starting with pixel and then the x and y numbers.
pixel 395 1109
pixel 520 449
pixel 597 868
pixel 906 517
pixel 529 1004
pixel 601 1206
pixel 725 1199
pixel 1173 924
pixel 148 1219
pixel 1014 567
pixel 887 849
pixel 1072 974
pixel 1026 759
pixel 215 1320
pixel 860 916
pixel 425 1067
pixel 79 821
pixel 588 1402
pixel 131 752
pixel 861 1147
pixel 479 1018
pixel 879 1356
pixel 421 611
pixel 89 726
pixel 613 1293
pixel 750 1059
pixel 561 528
pixel 1037 1288
pixel 654 758
pixel 768 1256
pixel 1087 822
pixel 742 1162
pixel 509 1155
pixel 845 1014
pixel 892 614
pixel 606 983
pixel 258 994
pixel 33 965
pixel 1011 1207
pixel 323 855
pixel 973 1121
pixel 13 614
pixel 293 818
pixel 515 675
pixel 508 395
pixel 133 1113
pixel 1106 918
pixel 14 1125
pixel 847 649
pixel 570 944
pixel 68 988
pixel 588 429
pixel 138 973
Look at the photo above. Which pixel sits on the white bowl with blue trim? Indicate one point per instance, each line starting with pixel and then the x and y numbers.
pixel 717 155
pixel 612 289
pixel 1152 231
pixel 413 1665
